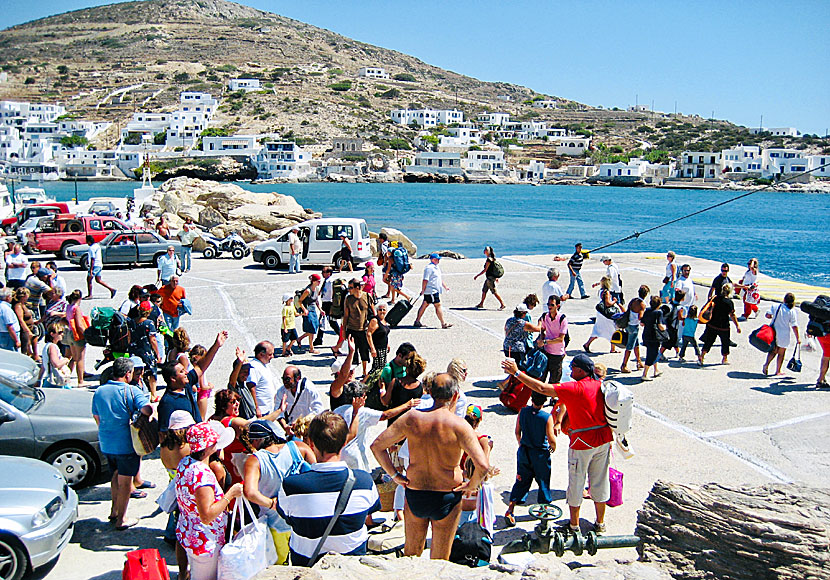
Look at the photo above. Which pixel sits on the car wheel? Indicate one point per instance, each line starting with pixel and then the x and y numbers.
pixel 27 249
pixel 75 464
pixel 84 263
pixel 336 261
pixel 156 260
pixel 271 261
pixel 209 252
pixel 238 253
pixel 64 247
pixel 13 560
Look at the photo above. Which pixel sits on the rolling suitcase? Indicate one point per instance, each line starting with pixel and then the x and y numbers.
pixel 398 312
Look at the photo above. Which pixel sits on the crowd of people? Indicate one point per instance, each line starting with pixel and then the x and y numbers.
pixel 289 452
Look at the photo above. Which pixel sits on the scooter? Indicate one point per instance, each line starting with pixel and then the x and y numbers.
pixel 232 243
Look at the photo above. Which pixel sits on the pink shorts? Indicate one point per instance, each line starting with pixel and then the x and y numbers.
pixel 204 394
pixel 824 341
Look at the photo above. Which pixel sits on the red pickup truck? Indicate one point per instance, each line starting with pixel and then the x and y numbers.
pixel 65 230
pixel 10 224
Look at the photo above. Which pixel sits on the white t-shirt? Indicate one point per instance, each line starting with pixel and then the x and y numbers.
pixel 354 453
pixel 689 288
pixel 264 388
pixel 432 274
pixel 59 282
pixel 307 398
pixel 550 288
pixel 94 253
pixel 327 289
pixel 296 243
pixel 17 272
pixel 613 274
pixel 782 323
pixel 671 275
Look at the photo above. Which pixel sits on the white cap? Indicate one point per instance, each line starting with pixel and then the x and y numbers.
pixel 605 258
pixel 338 364
pixel 287 296
pixel 521 307
pixel 180 420
pixel 226 434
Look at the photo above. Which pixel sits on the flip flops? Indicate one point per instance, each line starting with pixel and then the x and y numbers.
pixel 138 494
pixel 146 485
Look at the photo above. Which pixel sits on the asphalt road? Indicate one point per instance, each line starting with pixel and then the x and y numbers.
pixel 726 424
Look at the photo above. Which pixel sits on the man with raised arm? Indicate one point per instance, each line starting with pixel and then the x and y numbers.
pixel 433 481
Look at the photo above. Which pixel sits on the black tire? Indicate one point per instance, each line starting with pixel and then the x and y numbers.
pixel 27 249
pixel 238 253
pixel 156 259
pixel 62 252
pixel 84 263
pixel 271 260
pixel 209 252
pixel 336 261
pixel 14 562
pixel 75 463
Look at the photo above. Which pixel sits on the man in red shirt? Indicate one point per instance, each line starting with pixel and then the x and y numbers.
pixel 589 452
pixel 171 296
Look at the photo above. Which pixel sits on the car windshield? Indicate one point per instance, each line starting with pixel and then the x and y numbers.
pixel 106 241
pixel 19 396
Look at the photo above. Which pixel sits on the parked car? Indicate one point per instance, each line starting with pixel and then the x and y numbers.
pixel 102 208
pixel 321 243
pixel 53 425
pixel 38 511
pixel 20 368
pixel 126 247
pixel 11 224
pixel 23 230
pixel 232 243
pixel 65 230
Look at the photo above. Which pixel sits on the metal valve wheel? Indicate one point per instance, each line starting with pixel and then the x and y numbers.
pixel 545 511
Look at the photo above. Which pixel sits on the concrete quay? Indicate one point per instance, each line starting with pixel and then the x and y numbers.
pixel 727 424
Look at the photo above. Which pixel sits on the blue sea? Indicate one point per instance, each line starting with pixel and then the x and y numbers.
pixel 783 230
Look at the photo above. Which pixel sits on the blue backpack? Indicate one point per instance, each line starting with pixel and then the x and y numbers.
pixel 400 261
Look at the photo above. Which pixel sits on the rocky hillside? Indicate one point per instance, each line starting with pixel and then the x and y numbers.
pixel 109 61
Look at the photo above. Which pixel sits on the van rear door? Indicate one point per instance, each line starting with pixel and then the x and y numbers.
pixel 326 242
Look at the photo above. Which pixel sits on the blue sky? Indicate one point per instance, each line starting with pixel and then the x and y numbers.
pixel 738 59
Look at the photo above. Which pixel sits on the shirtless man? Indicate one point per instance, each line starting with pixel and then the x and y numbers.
pixel 433 481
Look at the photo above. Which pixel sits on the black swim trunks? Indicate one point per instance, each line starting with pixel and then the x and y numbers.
pixel 432 505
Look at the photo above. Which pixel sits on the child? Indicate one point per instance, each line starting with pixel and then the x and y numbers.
pixel 205 388
pixel 672 314
pixel 289 324
pixel 534 432
pixel 689 328
pixel 477 505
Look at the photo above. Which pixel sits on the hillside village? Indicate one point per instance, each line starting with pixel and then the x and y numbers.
pixel 286 101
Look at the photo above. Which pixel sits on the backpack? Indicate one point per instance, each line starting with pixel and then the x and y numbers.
pixel 298 303
pixel 372 391
pixel 338 295
pixel 472 546
pixel 515 395
pixel 120 333
pixel 496 270
pixel 98 331
pixel 619 406
pixel 400 261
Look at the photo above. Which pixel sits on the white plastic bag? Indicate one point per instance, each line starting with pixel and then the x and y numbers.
pixel 252 549
pixel 810 345
pixel 167 499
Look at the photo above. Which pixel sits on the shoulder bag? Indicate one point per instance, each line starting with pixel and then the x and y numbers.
pixel 287 416
pixel 706 312
pixel 763 337
pixel 342 500
pixel 144 430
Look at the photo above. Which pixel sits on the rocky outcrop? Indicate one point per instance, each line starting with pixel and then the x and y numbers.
pixel 739 533
pixel 221 169
pixel 445 254
pixel 224 207
pixel 544 567
pixel 423 177
pixel 394 235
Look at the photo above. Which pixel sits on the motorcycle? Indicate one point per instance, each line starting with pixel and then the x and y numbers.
pixel 232 243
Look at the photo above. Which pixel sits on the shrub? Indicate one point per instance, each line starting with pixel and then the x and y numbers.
pixel 181 77
pixel 341 86
pixel 390 94
pixel 160 138
pixel 74 141
pixel 399 144
pixel 29 81
pixel 63 69
pixel 406 77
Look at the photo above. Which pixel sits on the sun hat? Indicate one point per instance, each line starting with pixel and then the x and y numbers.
pixel 474 411
pixel 262 428
pixel 180 420
pixel 605 258
pixel 137 361
pixel 434 256
pixel 287 296
pixel 202 435
pixel 521 307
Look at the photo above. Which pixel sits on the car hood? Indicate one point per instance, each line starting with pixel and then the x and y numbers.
pixel 19 367
pixel 69 403
pixel 27 485
pixel 79 248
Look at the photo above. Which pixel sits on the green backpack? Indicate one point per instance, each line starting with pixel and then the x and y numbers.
pixel 338 295
pixel 372 391
pixel 496 270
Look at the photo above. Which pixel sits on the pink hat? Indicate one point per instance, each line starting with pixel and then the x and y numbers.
pixel 202 435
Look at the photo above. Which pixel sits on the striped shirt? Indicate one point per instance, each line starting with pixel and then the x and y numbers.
pixel 307 501
pixel 576 261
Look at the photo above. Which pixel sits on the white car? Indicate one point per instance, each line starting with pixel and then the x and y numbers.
pixel 321 243
pixel 29 226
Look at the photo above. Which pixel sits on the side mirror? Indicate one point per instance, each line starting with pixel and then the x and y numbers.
pixel 6 417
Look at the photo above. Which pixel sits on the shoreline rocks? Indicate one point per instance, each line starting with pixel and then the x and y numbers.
pixel 211 169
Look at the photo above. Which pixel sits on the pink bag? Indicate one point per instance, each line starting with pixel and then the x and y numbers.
pixel 616 479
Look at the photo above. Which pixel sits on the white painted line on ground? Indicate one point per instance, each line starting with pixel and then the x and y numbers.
pixel 236 318
pixel 760 466
pixel 778 425
pixel 475 324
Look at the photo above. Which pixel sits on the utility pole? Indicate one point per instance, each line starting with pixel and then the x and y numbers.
pixel 761 126
pixel 675 108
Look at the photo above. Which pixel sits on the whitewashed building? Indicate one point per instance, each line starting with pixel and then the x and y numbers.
pixel 231 145
pixel 446 163
pixel 776 131
pixel 545 104
pixel 700 165
pixel 741 159
pixel 37 112
pixel 373 72
pixel 281 159
pixel 486 160
pixel 634 168
pixel 572 146
pixel 493 119
pixel 426 117
pixel 90 164
pixel 816 161
pixel 781 162
pixel 247 85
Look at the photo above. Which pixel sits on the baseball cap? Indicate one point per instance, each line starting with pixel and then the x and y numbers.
pixel 287 296
pixel 315 277
pixel 434 256
pixel 474 411
pixel 45 272
pixel 605 258
pixel 521 307
pixel 180 420
pixel 145 305
pixel 261 428
pixel 137 361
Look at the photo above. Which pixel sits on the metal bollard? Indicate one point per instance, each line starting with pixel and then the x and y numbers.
pixel 546 539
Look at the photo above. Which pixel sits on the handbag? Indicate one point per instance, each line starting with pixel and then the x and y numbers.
pixel 342 500
pixel 78 333
pixel 144 430
pixel 250 551
pixel 619 337
pixel 707 309
pixel 763 337
pixel 795 362
pixel 167 500
pixel 58 377
pixel 615 479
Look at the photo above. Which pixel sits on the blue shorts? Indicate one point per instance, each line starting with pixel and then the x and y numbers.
pixel 432 298
pixel 126 464
pixel 289 335
pixel 633 342
pixel 96 271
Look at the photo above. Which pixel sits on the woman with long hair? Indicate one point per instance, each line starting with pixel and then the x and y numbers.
pixel 490 279
pixel 310 299
pixel 77 345
pixel 783 319
pixel 604 327
pixel 52 358
pixel 377 333
pixel 26 318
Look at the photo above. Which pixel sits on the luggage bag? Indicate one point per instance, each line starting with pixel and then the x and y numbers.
pixel 398 312
pixel 145 565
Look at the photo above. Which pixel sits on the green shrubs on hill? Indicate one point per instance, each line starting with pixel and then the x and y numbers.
pixel 405 77
pixel 341 86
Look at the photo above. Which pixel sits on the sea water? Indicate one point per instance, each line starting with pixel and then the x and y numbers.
pixel 787 232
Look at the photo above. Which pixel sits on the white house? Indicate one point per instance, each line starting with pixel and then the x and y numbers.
pixel 432 162
pixel 816 161
pixel 580 170
pixel 776 131
pixel 634 168
pixel 187 123
pixel 535 171
pixel 741 159
pixel 281 159
pixel 700 164
pixel 247 85
pixel 780 162
pixel 149 124
pixel 494 119
pixel 544 104
pixel 38 112
pixel 487 160
pixel 231 145
pixel 373 72
pixel 573 146
pixel 80 162
pixel 426 117
pixel 349 145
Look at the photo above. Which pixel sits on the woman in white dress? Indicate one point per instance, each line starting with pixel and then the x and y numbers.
pixel 783 318
pixel 667 292
pixel 748 285
pixel 604 327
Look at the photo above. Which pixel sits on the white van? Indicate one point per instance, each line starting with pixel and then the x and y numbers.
pixel 321 243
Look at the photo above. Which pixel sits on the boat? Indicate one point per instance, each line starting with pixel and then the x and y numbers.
pixel 6 205
pixel 32 195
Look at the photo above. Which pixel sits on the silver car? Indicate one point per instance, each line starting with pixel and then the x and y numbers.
pixel 127 247
pixel 37 513
pixel 54 425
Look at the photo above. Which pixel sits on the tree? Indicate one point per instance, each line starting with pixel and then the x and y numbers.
pixel 399 144
pixel 29 81
pixel 72 141
pixel 160 138
pixel 63 69
pixel 406 77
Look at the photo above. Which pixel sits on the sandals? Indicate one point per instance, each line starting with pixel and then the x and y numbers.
pixel 509 520
pixel 448 325
pixel 138 494
pixel 126 524
pixel 146 485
